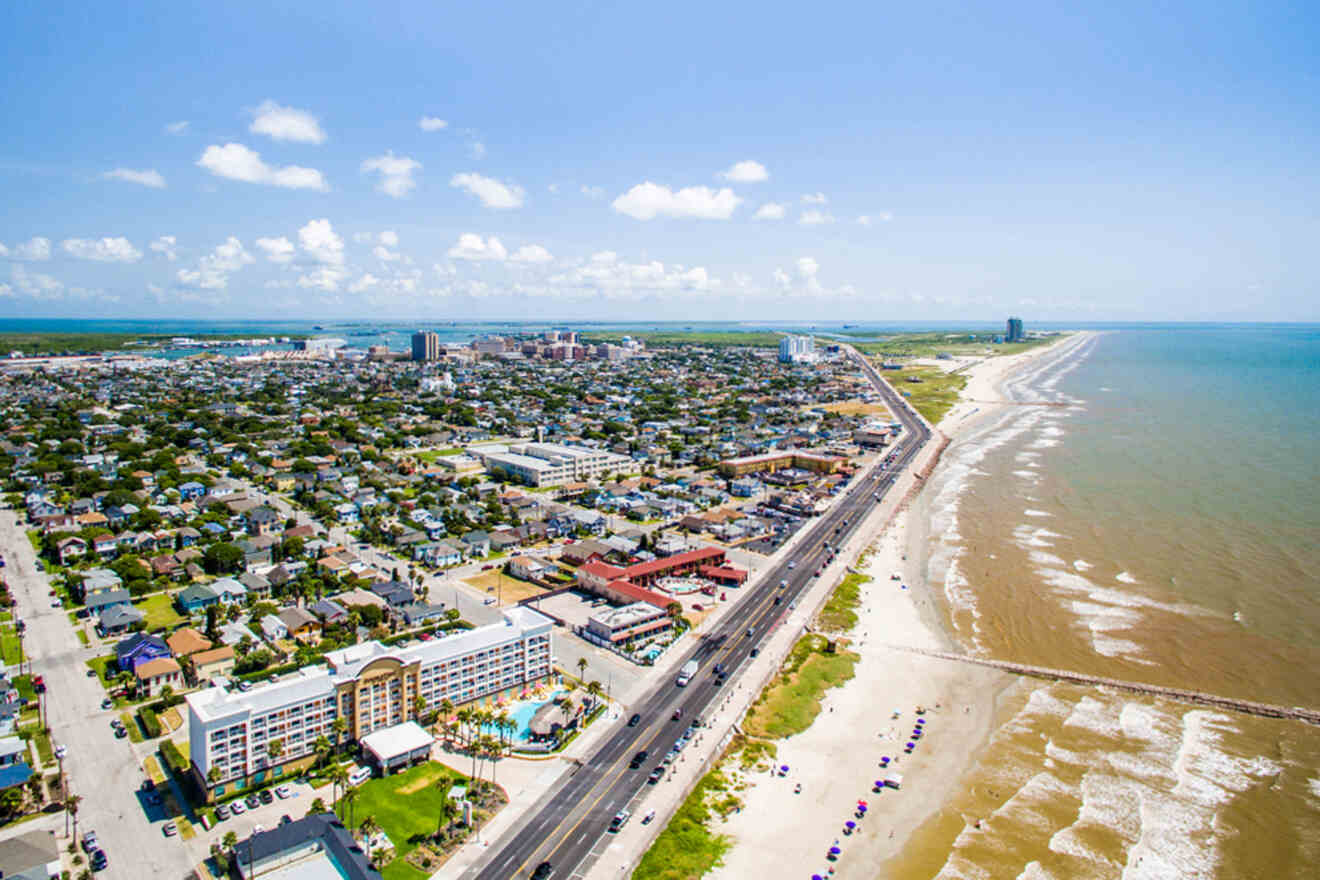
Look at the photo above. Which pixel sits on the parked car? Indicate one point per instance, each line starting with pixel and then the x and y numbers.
pixel 120 732
pixel 61 752
pixel 89 841
pixel 656 775
pixel 222 812
pixel 98 859
pixel 237 808
pixel 252 801
pixel 170 829
pixel 283 792
pixel 267 797
pixel 108 703
pixel 620 819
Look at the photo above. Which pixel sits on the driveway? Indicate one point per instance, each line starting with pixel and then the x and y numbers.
pixel 106 772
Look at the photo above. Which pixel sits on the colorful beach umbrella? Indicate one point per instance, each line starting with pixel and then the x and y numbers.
pixel 834 850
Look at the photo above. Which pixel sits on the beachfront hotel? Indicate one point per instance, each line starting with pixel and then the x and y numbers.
pixel 371 686
pixel 549 464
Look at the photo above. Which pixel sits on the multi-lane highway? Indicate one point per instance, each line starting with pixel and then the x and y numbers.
pixel 568 821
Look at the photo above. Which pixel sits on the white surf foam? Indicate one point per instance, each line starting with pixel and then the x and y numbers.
pixel 1124 577
pixel 1039 513
pixel 1082 565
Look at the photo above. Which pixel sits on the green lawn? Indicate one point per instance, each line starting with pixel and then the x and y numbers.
pixel 160 612
pixel 406 806
pixel 433 454
pixel 100 665
pixel 791 702
pixel 11 649
pixel 934 395
pixel 82 637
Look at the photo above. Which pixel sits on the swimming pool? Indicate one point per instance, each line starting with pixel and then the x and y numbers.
pixel 521 712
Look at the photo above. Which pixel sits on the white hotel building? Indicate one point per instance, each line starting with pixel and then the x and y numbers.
pixel 550 464
pixel 371 686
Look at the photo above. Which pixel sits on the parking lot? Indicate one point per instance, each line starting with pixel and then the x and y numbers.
pixel 573 607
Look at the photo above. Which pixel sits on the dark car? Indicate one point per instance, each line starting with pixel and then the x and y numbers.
pixel 285 819
pixel 638 759
pixel 756 651
pixel 252 801
pixel 266 796
pixel 120 733
pixel 98 859
pixel 635 720
pixel 656 775
pixel 222 811
pixel 543 871
pixel 778 599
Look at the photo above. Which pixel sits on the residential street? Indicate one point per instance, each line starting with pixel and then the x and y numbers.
pixel 106 772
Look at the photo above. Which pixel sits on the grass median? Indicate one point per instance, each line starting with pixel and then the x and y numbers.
pixel 687 847
pixel 840 611
pixel 791 702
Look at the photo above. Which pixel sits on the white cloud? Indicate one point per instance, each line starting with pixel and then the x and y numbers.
pixel 531 253
pixel 176 127
pixel 471 246
pixel 807 267
pixel 286 124
pixel 815 198
pixel 389 238
pixel 277 250
pixel 36 284
pixel 237 162
pixel 868 219
pixel 814 218
pixel 647 200
pixel 593 192
pixel 102 250
pixel 325 278
pixel 804 281
pixel 493 193
pixel 431 123
pixel 214 269
pixel 746 171
pixel 34 250
pixel 396 173
pixel 148 177
pixel 366 282
pixel 384 254
pixel 318 238
pixel 165 246
pixel 605 274
pixel 770 211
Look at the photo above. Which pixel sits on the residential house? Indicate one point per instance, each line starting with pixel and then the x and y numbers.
pixel 258 551
pixel 263 521
pixel 155 674
pixel 191 490
pixel 421 613
pixel 138 649
pixel 14 769
pixel 101 601
pixel 70 549
pixel 301 625
pixel 273 628
pixel 395 593
pixel 215 663
pixel 330 611
pixel 476 544
pixel 257 585
pixel 503 541
pixel 529 568
pixel 196 597
pixel 229 591
pixel 118 619
pixel 187 641
pixel 346 514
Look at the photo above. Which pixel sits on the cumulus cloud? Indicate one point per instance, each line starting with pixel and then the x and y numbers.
pixel 648 200
pixel 746 171
pixel 803 281
pixel 277 250
pixel 102 250
pixel 814 218
pixel 36 284
pixel 147 177
pixel 815 198
pixel 531 253
pixel 605 274
pixel 493 193
pixel 389 238
pixel 431 123
pixel 4 251
pixel 286 124
pixel 327 278
pixel 214 269
pixel 366 282
pixel 770 211
pixel 237 162
pixel 320 241
pixel 34 250
pixel 165 247
pixel 396 174
pixel 471 246
pixel 176 127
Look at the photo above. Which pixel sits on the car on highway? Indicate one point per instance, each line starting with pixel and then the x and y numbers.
pixel 792 564
pixel 756 652
pixel 678 713
pixel 656 775
pixel 778 599
pixel 638 759
pixel 544 871
pixel 782 584
pixel 635 720
pixel 620 819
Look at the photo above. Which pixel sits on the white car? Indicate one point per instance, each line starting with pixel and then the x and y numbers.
pixel 283 792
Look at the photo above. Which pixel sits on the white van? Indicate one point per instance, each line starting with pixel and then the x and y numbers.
pixel 359 775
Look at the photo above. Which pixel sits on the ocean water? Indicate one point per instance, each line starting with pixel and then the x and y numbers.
pixel 1157 521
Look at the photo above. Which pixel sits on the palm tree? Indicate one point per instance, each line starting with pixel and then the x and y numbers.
pixel 322 749
pixel 340 727
pixel 446 803
pixel 338 780
pixel 274 749
pixel 464 719
pixel 419 706
pixel 582 668
pixel 369 827
pixel 349 797
pixel 494 750
pixel 502 723
pixel 594 688
pixel 447 712
pixel 213 775
pixel 71 807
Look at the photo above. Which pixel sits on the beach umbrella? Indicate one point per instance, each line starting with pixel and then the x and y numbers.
pixel 862 804
pixel 834 850
pixel 921 721
pixel 850 824
pixel 817 877
pixel 861 808
pixel 783 768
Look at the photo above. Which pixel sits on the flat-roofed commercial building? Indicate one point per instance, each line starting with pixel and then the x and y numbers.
pixel 371 686
pixel 425 346
pixel 549 464
pixel 772 461
pixel 619 627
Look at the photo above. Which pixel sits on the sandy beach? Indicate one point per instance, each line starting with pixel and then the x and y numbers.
pixel 780 833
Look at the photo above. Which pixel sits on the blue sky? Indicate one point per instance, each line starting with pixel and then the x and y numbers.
pixel 691 161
